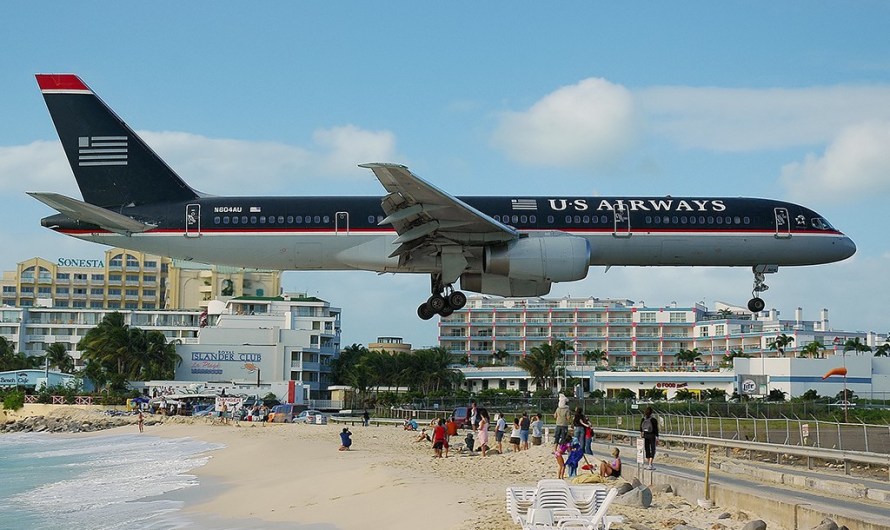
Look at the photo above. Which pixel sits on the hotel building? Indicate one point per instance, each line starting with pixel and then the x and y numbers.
pixel 635 339
pixel 124 279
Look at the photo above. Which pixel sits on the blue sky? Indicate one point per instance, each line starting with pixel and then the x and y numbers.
pixel 785 100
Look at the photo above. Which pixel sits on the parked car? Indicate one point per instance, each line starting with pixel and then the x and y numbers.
pixel 462 417
pixel 311 416
pixel 286 413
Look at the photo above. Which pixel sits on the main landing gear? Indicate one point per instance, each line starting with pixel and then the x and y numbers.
pixel 443 302
pixel 756 304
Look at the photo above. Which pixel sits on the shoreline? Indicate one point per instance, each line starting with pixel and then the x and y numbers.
pixel 293 474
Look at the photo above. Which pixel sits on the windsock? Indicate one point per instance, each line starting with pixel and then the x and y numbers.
pixel 835 371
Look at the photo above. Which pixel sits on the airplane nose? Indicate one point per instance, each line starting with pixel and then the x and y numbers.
pixel 845 247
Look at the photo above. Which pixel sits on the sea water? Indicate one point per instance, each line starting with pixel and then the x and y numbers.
pixel 102 482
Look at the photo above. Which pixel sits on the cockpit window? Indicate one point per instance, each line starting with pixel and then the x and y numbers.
pixel 820 224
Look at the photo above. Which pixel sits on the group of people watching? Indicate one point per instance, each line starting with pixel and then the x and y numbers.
pixel 570 447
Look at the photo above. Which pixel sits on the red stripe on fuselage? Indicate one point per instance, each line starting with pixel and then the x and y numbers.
pixel 52 82
pixel 375 231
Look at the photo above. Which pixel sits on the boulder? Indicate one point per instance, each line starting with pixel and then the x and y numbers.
pixel 756 524
pixel 637 497
pixel 662 488
pixel 624 487
pixel 827 524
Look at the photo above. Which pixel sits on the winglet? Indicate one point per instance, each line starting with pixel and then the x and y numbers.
pixel 68 83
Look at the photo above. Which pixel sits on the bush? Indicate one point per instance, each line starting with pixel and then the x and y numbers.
pixel 14 400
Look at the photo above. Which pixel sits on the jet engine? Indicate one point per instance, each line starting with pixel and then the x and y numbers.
pixel 540 259
pixel 528 266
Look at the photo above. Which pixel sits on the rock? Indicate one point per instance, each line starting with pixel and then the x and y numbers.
pixel 724 515
pixel 624 487
pixel 638 526
pixel 636 482
pixel 717 526
pixel 827 524
pixel 637 497
pixel 756 524
pixel 673 522
pixel 741 516
pixel 662 488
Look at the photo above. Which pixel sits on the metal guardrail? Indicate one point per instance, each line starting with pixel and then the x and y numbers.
pixel 807 452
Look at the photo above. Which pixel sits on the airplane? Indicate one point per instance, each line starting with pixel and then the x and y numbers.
pixel 512 245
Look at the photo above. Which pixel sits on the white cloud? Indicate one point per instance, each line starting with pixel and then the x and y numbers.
pixel 855 165
pixel 219 165
pixel 589 124
pixel 38 166
pixel 738 119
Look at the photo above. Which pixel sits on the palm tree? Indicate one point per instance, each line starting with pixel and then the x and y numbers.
pixel 541 363
pixel 725 313
pixel 813 349
pixel 58 356
pixel 500 356
pixel 108 345
pixel 596 356
pixel 780 343
pixel 883 350
pixel 776 395
pixel 688 356
pixel 726 362
pixel 856 345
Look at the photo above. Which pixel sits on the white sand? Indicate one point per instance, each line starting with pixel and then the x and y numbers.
pixel 295 473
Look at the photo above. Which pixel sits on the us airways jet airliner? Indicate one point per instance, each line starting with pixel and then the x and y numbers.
pixel 509 245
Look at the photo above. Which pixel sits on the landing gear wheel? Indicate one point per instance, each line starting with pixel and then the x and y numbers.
pixel 436 303
pixel 425 312
pixel 756 305
pixel 457 300
pixel 446 311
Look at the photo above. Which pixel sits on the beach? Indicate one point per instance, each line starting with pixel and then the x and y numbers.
pixel 294 473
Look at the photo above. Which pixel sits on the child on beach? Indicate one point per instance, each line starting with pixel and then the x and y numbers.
pixel 345 440
pixel 562 447
pixel 574 458
pixel 469 441
pixel 439 440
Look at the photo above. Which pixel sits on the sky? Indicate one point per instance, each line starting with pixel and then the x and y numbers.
pixel 783 100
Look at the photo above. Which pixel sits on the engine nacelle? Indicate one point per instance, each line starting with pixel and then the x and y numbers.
pixel 558 258
pixel 501 285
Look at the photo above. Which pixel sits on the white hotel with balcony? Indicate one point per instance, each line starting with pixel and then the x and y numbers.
pixel 640 342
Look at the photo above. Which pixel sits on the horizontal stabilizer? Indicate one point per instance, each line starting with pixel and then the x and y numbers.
pixel 89 213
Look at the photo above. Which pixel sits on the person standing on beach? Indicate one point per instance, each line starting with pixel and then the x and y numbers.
pixel 581 425
pixel 561 415
pixel 524 424
pixel 649 432
pixel 537 426
pixel 483 431
pixel 473 416
pixel 514 436
pixel 224 412
pixel 563 446
pixel 499 429
pixel 439 441
pixel 366 419
pixel 140 421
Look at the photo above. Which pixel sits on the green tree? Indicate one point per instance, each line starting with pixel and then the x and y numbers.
pixel 58 357
pixel 596 357
pixel 725 313
pixel 684 395
pixel 780 343
pixel 541 363
pixel 776 395
pixel 813 349
pixel 687 356
pixel 625 393
pixel 714 394
pixel 856 346
pixel 726 361
pixel 499 356
pixel 883 350
pixel 810 395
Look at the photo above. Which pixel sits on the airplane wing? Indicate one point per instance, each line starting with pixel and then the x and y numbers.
pixel 90 213
pixel 427 218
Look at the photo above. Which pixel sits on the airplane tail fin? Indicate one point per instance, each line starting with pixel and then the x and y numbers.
pixel 112 165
